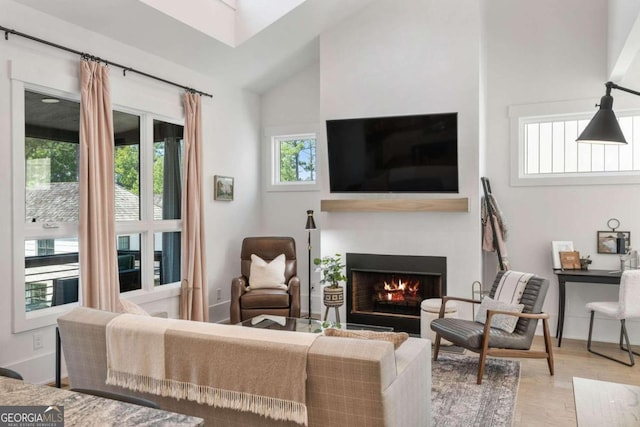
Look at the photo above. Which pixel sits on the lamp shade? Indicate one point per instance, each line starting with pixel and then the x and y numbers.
pixel 311 224
pixel 604 127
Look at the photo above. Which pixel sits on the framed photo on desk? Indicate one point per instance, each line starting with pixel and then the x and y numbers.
pixel 558 246
pixel 570 260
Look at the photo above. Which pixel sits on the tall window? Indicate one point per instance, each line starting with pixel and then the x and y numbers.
pixel 148 184
pixel 50 200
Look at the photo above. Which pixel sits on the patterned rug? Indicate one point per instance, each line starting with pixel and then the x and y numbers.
pixel 458 401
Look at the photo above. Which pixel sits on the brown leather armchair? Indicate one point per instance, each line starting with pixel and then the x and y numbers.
pixel 246 303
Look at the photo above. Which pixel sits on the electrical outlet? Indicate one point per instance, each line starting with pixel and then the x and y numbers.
pixel 219 294
pixel 37 341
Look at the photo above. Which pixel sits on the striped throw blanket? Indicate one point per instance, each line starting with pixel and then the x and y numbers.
pixel 245 369
pixel 511 286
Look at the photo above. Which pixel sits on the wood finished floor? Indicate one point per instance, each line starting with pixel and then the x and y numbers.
pixel 545 400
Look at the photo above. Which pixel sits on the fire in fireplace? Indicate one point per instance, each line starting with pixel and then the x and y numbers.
pixel 387 290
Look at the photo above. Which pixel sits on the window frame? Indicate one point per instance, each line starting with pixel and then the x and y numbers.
pixel 272 135
pixel 66 86
pixel 520 115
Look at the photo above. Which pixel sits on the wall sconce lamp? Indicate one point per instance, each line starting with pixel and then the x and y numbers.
pixel 311 225
pixel 604 127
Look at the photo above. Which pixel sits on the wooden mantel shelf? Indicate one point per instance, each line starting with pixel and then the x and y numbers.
pixel 460 204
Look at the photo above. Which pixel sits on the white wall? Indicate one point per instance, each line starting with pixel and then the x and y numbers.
pixel 393 58
pixel 408 57
pixel 230 130
pixel 547 51
pixel 293 106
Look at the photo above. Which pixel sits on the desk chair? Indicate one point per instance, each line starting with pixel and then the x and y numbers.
pixel 626 307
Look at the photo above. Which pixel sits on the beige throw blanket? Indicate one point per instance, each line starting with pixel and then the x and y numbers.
pixel 255 370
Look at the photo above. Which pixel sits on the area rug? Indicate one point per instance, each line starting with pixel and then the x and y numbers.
pixel 458 401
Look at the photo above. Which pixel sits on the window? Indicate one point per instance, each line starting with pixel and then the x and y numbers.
pixel 124 242
pixel 51 152
pixel 293 161
pixel 148 189
pixel 46 247
pixel 548 153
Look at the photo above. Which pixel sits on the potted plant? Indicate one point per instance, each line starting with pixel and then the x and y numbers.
pixel 331 268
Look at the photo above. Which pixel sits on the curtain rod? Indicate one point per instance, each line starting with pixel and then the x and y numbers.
pixel 84 55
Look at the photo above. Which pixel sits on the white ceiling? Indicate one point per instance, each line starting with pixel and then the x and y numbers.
pixel 275 53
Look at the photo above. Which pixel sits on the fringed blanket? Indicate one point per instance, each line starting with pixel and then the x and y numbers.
pixel 255 370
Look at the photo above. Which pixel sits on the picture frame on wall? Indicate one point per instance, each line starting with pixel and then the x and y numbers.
pixel 613 242
pixel 223 188
pixel 558 246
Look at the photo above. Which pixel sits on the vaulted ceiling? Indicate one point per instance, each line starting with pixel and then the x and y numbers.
pixel 276 47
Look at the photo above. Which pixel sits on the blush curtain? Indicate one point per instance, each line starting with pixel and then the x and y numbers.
pixel 98 253
pixel 194 298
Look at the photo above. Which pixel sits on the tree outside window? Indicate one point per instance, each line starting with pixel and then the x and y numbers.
pixel 295 157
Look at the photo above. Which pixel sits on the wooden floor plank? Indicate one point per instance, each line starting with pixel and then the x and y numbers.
pixel 545 400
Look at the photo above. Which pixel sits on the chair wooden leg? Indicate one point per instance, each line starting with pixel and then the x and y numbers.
pixel 436 347
pixel 483 353
pixel 547 345
pixel 481 362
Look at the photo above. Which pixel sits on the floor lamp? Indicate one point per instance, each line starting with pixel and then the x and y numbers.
pixel 311 225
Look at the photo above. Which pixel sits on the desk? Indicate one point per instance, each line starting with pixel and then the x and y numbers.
pixel 580 276
pixel 603 403
pixel 86 410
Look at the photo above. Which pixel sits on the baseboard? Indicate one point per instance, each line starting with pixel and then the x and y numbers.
pixel 39 369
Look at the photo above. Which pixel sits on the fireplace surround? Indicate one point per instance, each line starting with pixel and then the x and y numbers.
pixel 386 290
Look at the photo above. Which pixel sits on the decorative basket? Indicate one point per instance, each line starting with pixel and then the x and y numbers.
pixel 333 297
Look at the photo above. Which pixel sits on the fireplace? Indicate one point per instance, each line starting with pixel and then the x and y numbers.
pixel 386 290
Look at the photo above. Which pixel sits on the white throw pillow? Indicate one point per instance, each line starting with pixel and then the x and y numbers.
pixel 500 321
pixel 264 274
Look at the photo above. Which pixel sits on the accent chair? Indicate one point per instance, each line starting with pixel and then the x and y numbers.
pixel 246 302
pixel 491 341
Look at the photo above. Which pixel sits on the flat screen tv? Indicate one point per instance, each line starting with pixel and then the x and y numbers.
pixel 398 154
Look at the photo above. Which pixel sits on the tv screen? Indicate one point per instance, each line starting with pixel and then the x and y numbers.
pixel 410 154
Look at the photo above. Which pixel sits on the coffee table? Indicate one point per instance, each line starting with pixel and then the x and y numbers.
pixel 282 323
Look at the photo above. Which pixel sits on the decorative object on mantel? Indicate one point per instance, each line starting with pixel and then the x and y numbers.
pixel 614 242
pixel 331 268
pixel 311 225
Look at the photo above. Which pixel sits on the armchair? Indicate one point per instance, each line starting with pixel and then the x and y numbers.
pixel 487 341
pixel 247 303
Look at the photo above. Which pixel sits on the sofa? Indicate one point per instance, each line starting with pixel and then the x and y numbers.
pixel 350 381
